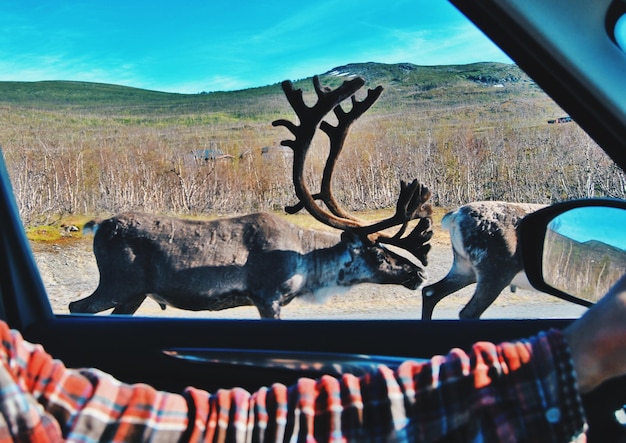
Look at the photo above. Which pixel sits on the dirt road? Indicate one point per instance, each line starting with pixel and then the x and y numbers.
pixel 69 272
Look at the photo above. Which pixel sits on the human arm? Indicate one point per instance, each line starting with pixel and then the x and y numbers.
pixel 523 389
pixel 598 339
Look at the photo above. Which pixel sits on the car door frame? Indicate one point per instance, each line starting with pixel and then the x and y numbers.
pixel 135 349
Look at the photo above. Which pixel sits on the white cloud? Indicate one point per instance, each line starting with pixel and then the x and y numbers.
pixel 210 84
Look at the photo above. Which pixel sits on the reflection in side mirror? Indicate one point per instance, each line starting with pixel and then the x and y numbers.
pixel 584 251
pixel 616 23
pixel 620 32
pixel 575 250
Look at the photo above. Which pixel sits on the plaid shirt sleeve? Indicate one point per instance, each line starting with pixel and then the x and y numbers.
pixel 518 391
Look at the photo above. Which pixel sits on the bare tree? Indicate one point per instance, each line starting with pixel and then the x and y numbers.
pixel 260 259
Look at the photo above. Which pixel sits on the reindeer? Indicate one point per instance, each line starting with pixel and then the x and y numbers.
pixel 260 259
pixel 484 243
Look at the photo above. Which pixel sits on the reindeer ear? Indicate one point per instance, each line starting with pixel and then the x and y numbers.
pixel 355 240
pixel 351 239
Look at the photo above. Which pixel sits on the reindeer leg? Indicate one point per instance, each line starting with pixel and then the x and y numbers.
pixel 97 302
pixel 460 275
pixel 129 308
pixel 269 312
pixel 487 290
pixel 268 309
pixel 433 294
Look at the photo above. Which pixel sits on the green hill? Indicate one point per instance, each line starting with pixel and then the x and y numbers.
pixel 470 132
pixel 405 84
pixel 588 269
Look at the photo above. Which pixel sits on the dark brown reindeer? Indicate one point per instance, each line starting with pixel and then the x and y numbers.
pixel 484 243
pixel 260 259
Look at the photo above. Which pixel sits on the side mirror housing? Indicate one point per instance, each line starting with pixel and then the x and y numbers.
pixel 575 250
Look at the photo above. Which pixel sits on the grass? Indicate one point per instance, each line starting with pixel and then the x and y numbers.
pixel 58 231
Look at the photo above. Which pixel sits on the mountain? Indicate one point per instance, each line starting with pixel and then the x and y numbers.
pixel 586 269
pixel 429 77
pixel 405 84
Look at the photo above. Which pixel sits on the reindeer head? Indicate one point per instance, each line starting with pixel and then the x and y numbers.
pixel 371 262
pixel 412 200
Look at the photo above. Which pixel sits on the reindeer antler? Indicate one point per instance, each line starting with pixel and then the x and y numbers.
pixel 310 118
pixel 411 200
pixel 337 136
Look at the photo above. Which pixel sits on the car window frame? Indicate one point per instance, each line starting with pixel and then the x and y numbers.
pixel 97 340
pixel 593 100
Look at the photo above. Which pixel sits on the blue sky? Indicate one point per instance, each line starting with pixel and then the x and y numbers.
pixel 210 45
pixel 608 225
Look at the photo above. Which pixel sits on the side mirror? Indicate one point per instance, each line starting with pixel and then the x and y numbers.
pixel 575 250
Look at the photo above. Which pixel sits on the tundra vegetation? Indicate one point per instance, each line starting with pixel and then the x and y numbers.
pixel 260 259
pixel 471 132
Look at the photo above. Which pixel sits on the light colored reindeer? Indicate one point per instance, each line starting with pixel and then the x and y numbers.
pixel 260 259
pixel 485 249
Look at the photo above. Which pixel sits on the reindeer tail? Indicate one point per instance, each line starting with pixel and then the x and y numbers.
pixel 447 220
pixel 91 227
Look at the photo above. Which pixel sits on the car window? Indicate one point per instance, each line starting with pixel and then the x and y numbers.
pixel 472 128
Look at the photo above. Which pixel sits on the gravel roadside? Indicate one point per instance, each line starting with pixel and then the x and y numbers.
pixel 69 273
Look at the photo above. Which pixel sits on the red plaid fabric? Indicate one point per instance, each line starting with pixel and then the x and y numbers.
pixel 520 391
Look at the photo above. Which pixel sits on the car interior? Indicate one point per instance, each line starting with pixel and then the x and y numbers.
pixel 574 51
